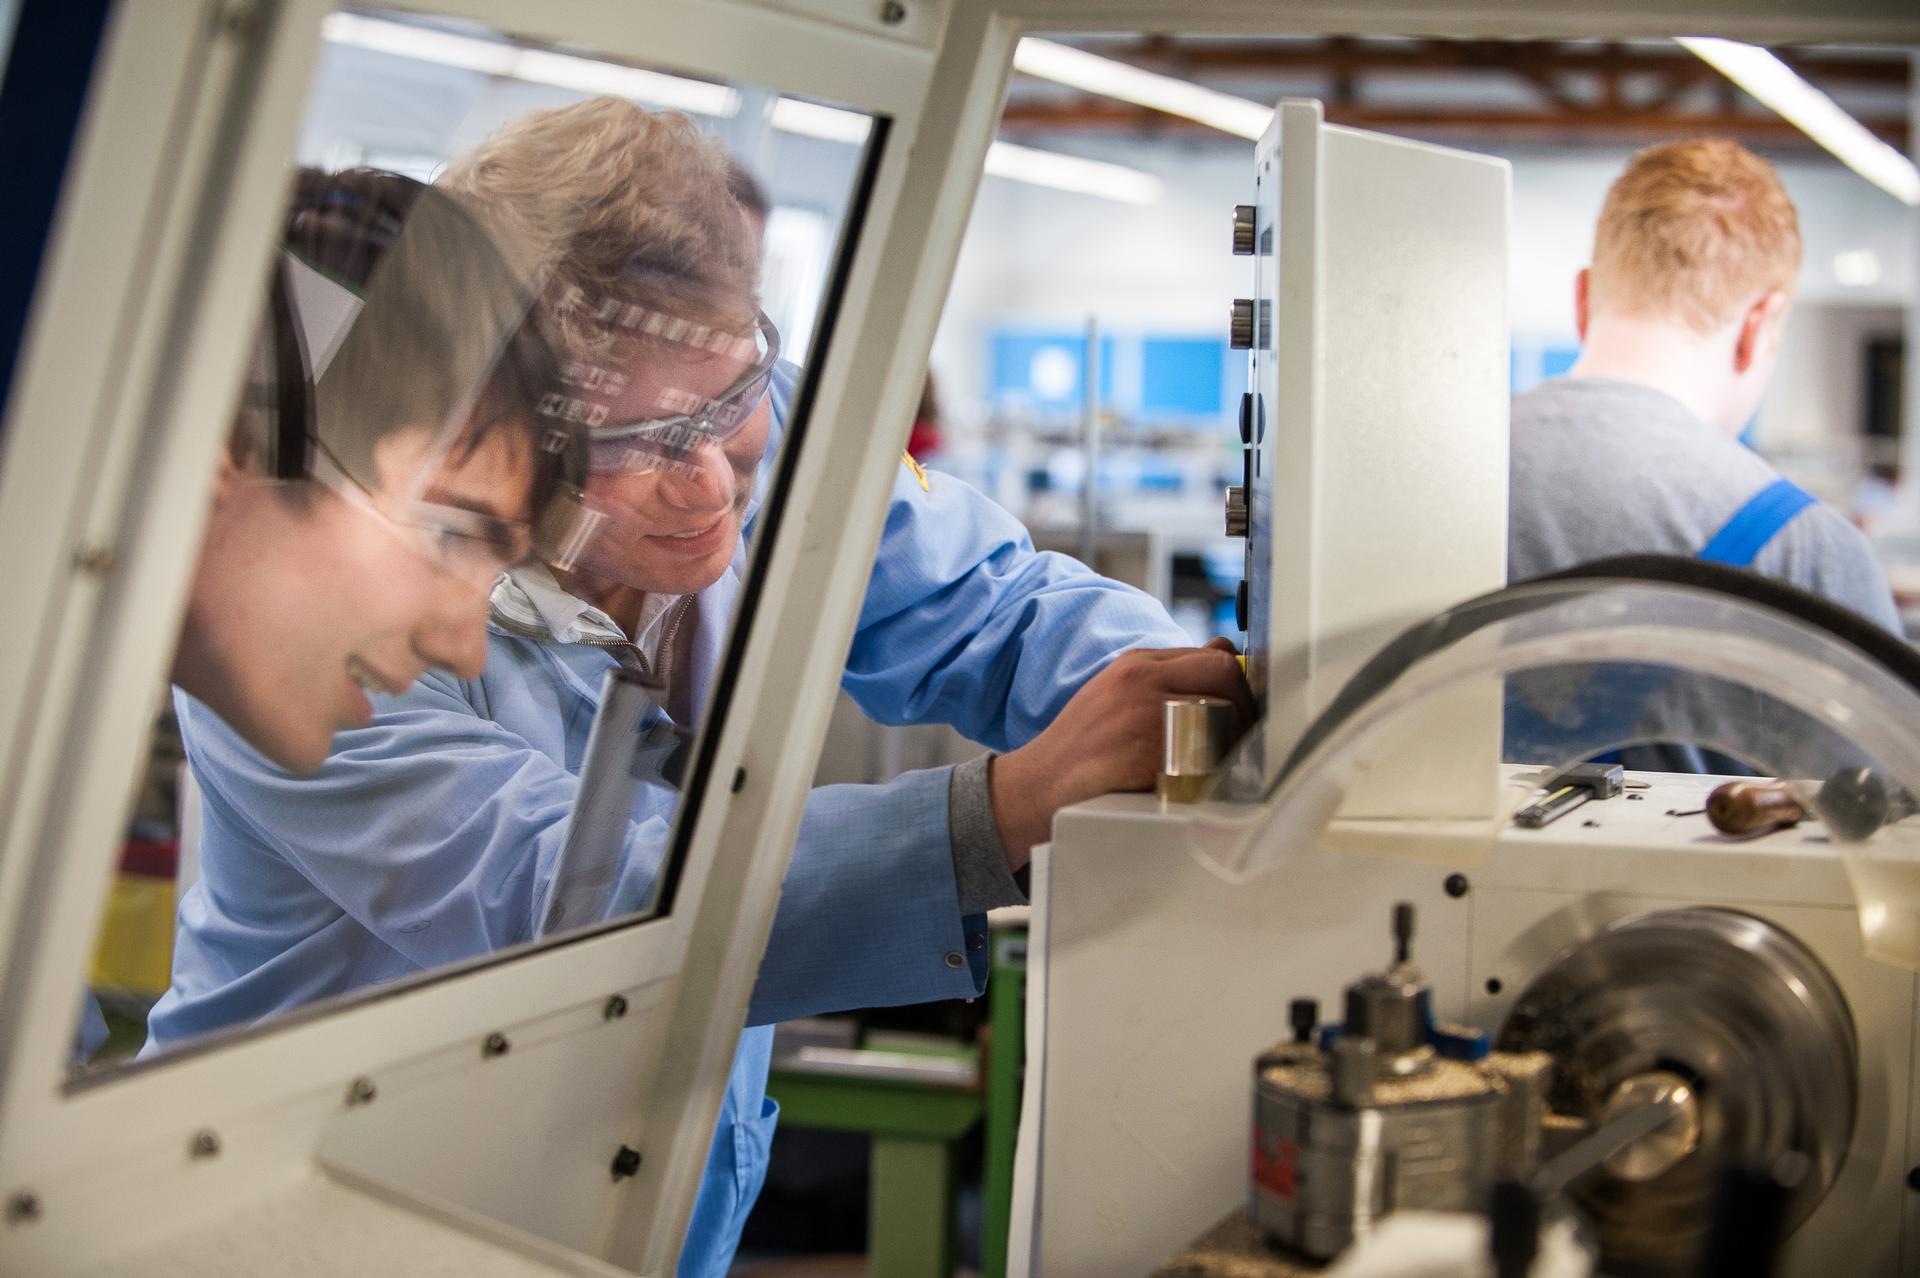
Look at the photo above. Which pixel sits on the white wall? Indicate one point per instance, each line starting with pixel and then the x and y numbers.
pixel 1818 397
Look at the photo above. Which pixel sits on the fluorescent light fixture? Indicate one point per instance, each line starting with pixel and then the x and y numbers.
pixel 790 115
pixel 810 119
pixel 1857 268
pixel 1776 85
pixel 1021 163
pixel 1071 173
pixel 536 66
pixel 1092 73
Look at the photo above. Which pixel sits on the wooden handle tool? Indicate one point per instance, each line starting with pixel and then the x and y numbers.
pixel 1748 807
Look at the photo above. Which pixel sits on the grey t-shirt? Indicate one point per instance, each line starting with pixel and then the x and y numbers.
pixel 1603 467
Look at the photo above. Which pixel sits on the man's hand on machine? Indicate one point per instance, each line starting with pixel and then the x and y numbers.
pixel 1107 738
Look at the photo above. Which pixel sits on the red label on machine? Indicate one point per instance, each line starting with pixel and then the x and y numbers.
pixel 1276 1173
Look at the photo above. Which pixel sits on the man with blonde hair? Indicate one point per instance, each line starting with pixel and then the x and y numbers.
pixel 1636 450
pixel 434 833
pixel 1680 318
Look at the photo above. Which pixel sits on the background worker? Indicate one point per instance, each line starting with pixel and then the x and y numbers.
pixel 431 835
pixel 1680 318
pixel 1636 449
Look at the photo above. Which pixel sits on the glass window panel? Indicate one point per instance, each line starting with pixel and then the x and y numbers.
pixel 528 360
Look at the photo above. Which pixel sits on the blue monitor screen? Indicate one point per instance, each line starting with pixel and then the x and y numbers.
pixel 1046 371
pixel 1183 376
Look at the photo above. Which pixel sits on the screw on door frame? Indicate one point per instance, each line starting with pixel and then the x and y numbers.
pixel 615 1009
pixel 23 1208
pixel 361 1091
pixel 206 1143
pixel 496 1045
pixel 626 1162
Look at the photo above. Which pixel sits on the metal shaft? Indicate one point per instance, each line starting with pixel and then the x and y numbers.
pixel 1606 1140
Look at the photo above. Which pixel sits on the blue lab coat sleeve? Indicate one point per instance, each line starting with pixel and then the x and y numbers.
pixel 428 837
pixel 965 623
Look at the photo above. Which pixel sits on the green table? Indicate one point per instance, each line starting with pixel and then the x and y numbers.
pixel 916 1107
pixel 914 1124
pixel 1006 1062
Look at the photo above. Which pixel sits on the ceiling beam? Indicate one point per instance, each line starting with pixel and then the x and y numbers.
pixel 1588 123
pixel 1359 56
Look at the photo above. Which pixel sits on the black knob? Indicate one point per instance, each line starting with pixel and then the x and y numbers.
pixel 1243 230
pixel 1514 1239
pixel 1240 607
pixel 1402 931
pixel 1748 1208
pixel 1304 1015
pixel 1246 417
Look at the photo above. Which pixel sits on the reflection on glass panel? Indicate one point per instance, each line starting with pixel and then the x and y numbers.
pixel 520 380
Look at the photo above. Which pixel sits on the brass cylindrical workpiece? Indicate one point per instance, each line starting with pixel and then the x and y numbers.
pixel 1194 735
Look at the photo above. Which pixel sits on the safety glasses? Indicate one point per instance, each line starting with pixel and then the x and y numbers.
pixel 466 544
pixel 652 443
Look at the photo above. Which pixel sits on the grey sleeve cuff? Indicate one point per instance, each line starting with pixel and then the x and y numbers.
pixel 979 862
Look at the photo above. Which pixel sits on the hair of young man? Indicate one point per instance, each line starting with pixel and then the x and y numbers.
pixel 1691 233
pixel 630 214
pixel 448 323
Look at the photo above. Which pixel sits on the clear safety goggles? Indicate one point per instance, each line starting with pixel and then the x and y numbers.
pixel 468 544
pixel 662 442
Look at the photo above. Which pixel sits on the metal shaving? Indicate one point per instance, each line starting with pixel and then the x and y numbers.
pixel 1235 1248
pixel 1446 1080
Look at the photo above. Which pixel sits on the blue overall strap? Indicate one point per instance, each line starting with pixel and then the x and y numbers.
pixel 1741 539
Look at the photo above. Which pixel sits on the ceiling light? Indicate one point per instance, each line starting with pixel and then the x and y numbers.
pixel 1092 73
pixel 1857 268
pixel 790 115
pixel 810 119
pixel 1071 173
pixel 536 66
pixel 1776 85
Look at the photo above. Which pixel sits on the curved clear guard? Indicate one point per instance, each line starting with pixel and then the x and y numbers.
pixel 529 354
pixel 1650 675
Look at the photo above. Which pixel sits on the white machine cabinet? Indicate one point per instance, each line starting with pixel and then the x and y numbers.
pixel 475 1122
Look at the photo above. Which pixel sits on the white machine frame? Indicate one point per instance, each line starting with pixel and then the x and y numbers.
pixel 247 1156
pixel 1127 1109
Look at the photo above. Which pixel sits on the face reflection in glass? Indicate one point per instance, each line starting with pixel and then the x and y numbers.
pixel 674 513
pixel 308 599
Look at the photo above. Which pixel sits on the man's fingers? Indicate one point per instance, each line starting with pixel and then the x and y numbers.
pixel 1159 654
pixel 1207 672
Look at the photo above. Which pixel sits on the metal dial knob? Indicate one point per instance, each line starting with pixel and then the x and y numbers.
pixel 1243 230
pixel 1236 511
pixel 1240 325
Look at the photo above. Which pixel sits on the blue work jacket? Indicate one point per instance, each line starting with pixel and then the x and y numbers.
pixel 430 835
